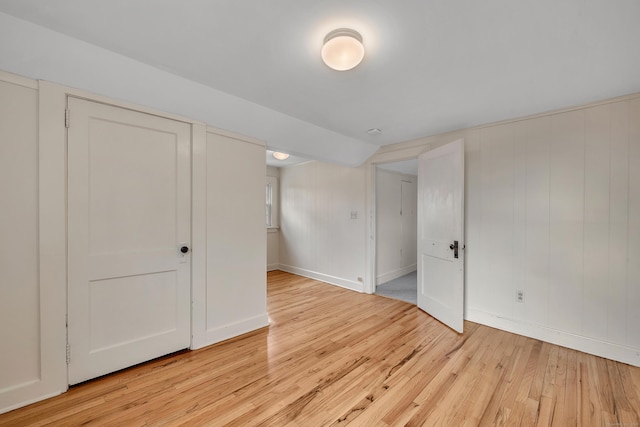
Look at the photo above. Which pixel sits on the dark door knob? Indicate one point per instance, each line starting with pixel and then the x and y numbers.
pixel 454 248
pixel 184 249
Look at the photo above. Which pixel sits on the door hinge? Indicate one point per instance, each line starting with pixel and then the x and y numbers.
pixel 67 118
pixel 68 353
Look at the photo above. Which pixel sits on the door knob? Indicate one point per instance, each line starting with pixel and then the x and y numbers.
pixel 184 249
pixel 454 248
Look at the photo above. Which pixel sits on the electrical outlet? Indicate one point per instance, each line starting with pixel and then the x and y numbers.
pixel 519 295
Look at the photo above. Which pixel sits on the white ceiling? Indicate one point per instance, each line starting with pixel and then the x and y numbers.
pixel 430 66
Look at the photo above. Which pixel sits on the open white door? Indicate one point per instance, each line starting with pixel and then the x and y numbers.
pixel 441 233
pixel 129 225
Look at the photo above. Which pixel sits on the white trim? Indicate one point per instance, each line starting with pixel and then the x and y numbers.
pixel 399 272
pixel 369 285
pixel 198 233
pixel 565 339
pixel 81 94
pixel 332 280
pixel 237 136
pixel 273 267
pixel 390 151
pixel 230 330
pixel 18 80
pixel 29 401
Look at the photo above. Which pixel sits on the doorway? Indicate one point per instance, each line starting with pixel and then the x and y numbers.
pixel 440 229
pixel 396 230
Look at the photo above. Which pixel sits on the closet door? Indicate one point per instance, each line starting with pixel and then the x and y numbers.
pixel 128 238
pixel 409 218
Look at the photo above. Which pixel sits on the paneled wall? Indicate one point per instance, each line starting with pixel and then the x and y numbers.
pixel 554 210
pixel 20 293
pixel 322 222
pixel 232 299
pixel 19 234
pixel 396 225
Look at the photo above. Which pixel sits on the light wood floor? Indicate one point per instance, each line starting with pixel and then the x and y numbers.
pixel 334 357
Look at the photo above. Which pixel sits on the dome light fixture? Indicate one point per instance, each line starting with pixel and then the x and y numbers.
pixel 280 156
pixel 342 49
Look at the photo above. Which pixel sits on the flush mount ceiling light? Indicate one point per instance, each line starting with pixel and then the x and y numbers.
pixel 280 156
pixel 342 49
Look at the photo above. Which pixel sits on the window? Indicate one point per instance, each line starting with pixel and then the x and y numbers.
pixel 271 205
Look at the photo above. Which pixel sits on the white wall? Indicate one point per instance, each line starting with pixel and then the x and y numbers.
pixel 396 225
pixel 273 233
pixel 553 209
pixel 319 238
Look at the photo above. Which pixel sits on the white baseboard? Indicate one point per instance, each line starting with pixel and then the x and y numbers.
pixel 273 267
pixel 231 330
pixel 338 281
pixel 394 274
pixel 8 404
pixel 604 349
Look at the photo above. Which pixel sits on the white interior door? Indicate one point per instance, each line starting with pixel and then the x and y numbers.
pixel 441 233
pixel 128 219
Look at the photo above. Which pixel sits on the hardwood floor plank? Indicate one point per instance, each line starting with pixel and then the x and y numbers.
pixel 630 388
pixel 622 400
pixel 591 411
pixel 560 384
pixel 332 357
pixel 535 392
pixel 545 411
pixel 571 390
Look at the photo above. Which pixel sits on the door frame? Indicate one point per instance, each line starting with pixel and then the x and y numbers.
pixel 371 251
pixel 389 154
pixel 137 263
pixel 371 274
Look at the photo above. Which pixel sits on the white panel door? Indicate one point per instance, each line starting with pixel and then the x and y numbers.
pixel 128 221
pixel 441 233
